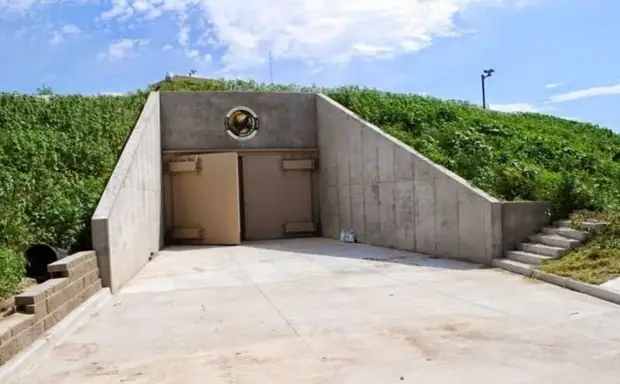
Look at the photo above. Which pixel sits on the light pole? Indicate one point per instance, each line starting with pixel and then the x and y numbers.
pixel 486 73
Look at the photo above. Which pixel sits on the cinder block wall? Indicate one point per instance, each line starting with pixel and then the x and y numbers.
pixel 74 280
pixel 127 225
pixel 392 196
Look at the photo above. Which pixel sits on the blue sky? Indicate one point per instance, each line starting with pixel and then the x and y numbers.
pixel 551 56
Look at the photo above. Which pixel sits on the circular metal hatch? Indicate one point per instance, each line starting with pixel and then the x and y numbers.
pixel 241 123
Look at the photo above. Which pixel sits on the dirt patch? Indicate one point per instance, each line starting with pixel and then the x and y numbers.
pixel 443 339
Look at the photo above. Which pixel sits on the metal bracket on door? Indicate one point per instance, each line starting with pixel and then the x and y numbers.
pixel 298 165
pixel 185 164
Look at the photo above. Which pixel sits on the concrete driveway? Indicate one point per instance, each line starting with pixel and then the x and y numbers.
pixel 318 311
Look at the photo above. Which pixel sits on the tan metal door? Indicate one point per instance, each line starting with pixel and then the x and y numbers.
pixel 205 199
pixel 277 196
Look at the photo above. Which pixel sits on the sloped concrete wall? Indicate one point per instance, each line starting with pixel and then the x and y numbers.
pixel 395 197
pixel 127 224
pixel 195 120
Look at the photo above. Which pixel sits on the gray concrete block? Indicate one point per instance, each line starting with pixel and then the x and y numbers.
pixel 555 241
pixel 521 219
pixel 591 225
pixel 550 278
pixel 545 250
pixel 475 217
pixel 514 266
pixel 527 257
pixel 594 290
pixel 567 232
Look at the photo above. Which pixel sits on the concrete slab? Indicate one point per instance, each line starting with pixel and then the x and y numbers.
pixel 613 284
pixel 320 311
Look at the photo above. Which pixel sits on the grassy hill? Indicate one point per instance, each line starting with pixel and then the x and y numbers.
pixel 57 154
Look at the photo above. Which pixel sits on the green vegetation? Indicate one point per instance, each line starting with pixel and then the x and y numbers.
pixel 599 260
pixel 56 154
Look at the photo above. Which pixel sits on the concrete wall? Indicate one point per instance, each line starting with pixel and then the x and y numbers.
pixel 195 120
pixel 127 224
pixel 521 219
pixel 395 197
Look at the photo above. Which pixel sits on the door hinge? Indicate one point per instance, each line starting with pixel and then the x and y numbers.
pixel 298 165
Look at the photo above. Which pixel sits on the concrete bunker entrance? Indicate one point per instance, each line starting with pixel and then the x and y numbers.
pixel 224 197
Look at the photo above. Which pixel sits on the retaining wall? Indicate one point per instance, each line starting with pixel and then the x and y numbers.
pixel 74 280
pixel 395 197
pixel 127 226
pixel 521 219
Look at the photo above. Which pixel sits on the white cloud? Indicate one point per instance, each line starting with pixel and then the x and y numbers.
pixel 70 29
pixel 167 47
pixel 122 49
pixel 319 31
pixel 553 85
pixel 66 30
pixel 515 107
pixel 588 92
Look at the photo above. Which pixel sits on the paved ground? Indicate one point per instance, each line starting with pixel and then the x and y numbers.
pixel 317 311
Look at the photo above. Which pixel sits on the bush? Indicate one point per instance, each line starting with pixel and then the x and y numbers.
pixel 56 155
pixel 12 269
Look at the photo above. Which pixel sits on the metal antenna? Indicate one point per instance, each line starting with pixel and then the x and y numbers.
pixel 270 68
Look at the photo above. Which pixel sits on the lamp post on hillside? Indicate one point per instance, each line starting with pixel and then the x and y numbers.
pixel 486 73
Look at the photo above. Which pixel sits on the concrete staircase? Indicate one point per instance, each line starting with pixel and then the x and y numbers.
pixel 551 243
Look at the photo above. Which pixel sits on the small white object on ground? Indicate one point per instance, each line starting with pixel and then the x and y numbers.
pixel 348 236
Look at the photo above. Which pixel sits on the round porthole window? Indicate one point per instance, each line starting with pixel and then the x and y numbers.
pixel 241 123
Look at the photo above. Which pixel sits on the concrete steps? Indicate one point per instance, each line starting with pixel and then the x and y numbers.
pixel 551 243
pixel 513 266
pixel 526 257
pixel 554 241
pixel 590 225
pixel 542 249
pixel 567 232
